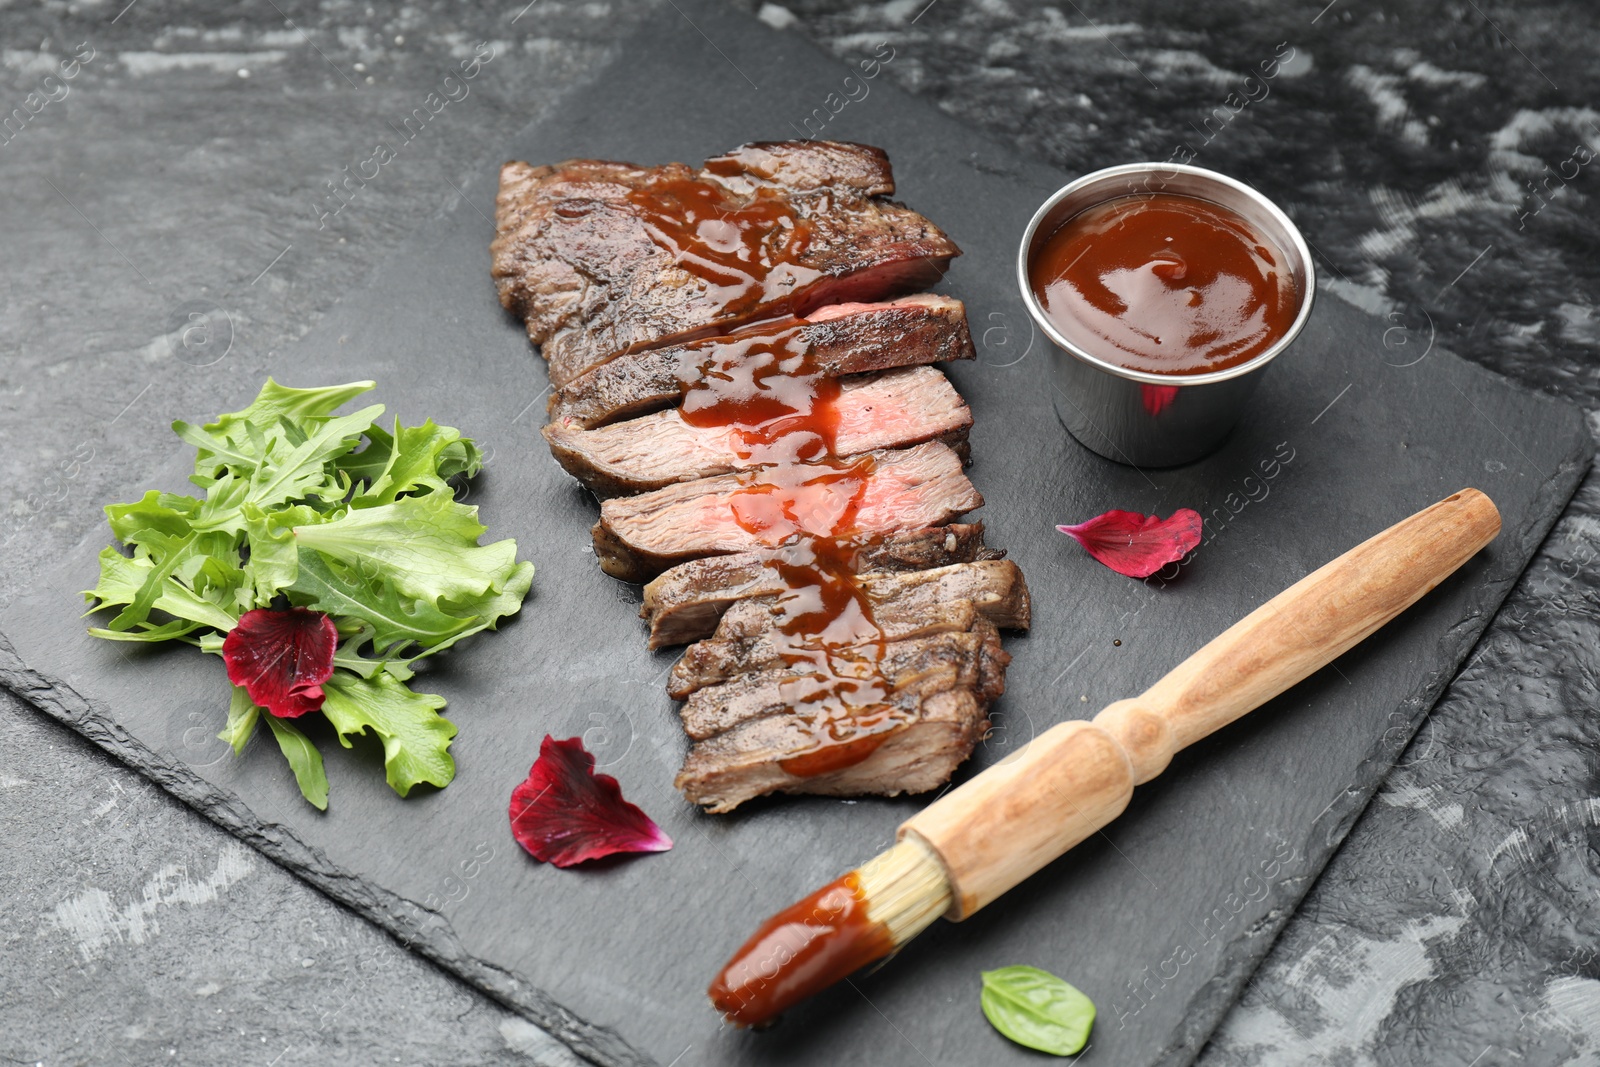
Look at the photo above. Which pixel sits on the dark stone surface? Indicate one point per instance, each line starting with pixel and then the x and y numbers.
pixel 1534 929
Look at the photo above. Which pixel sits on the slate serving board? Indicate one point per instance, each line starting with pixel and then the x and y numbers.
pixel 1160 920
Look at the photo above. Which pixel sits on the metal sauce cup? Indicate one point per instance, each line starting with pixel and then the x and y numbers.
pixel 1136 417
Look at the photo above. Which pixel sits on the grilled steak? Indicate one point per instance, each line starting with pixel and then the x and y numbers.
pixel 898 407
pixel 638 537
pixel 838 339
pixel 745 639
pixel 779 442
pixel 922 735
pixel 764 667
pixel 684 603
pixel 718 708
pixel 605 258
pixel 995 587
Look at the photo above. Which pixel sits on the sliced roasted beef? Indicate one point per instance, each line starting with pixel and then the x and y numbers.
pixel 748 642
pixel 767 666
pixel 889 410
pixel 746 634
pixel 638 537
pixel 718 708
pixel 995 587
pixel 911 745
pixel 900 599
pixel 684 603
pixel 836 340
pixel 806 166
pixel 604 258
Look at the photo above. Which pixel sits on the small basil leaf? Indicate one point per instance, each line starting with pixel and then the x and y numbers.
pixel 1036 1009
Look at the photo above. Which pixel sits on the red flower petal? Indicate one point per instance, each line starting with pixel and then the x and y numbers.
pixel 1137 545
pixel 565 813
pixel 282 658
pixel 1157 397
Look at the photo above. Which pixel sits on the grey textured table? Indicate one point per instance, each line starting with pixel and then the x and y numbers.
pixel 1438 155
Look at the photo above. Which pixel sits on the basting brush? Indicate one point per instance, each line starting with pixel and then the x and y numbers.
pixel 971 845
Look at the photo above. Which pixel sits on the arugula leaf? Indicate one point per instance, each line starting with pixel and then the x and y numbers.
pixel 304 760
pixel 394 619
pixel 416 739
pixel 414 463
pixel 303 472
pixel 242 718
pixel 121 579
pixel 231 433
pixel 1036 1009
pixel 426 545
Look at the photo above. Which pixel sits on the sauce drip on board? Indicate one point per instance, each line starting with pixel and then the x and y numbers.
pixel 1165 283
pixel 800 951
pixel 745 249
pixel 781 413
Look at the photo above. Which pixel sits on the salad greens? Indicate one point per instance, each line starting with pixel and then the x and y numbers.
pixel 302 508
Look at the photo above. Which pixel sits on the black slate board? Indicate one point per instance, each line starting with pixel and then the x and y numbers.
pixel 1160 920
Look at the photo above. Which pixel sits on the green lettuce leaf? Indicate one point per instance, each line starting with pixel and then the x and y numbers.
pixel 416 739
pixel 426 545
pixel 237 434
pixel 274 553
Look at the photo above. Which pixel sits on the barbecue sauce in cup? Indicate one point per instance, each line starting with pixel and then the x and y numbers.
pixel 1166 284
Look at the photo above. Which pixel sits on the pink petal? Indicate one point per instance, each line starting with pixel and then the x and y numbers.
pixel 282 658
pixel 1138 545
pixel 565 813
pixel 1157 397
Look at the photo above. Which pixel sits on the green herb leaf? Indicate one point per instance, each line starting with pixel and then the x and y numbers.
pixel 416 739
pixel 395 620
pixel 303 472
pixel 233 437
pixel 121 579
pixel 155 513
pixel 304 760
pixel 1036 1009
pixel 414 463
pixel 242 718
pixel 274 554
pixel 427 546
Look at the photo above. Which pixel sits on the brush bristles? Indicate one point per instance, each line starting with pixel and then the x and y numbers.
pixel 905 889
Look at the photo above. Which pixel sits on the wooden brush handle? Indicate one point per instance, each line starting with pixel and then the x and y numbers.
pixel 1076 777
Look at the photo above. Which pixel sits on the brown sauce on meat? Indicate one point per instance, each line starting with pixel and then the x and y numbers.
pixel 745 250
pixel 800 951
pixel 769 393
pixel 781 412
pixel 1165 283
